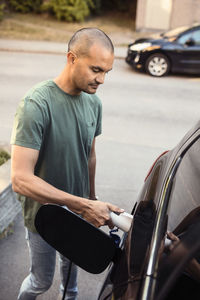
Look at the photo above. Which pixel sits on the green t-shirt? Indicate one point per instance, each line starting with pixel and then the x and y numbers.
pixel 62 127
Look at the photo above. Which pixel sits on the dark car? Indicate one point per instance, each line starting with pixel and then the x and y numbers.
pixel 141 266
pixel 177 50
pixel 169 200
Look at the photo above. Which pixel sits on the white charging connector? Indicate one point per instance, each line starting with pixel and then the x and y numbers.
pixel 122 221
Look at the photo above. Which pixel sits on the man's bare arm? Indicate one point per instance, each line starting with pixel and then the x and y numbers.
pixel 26 183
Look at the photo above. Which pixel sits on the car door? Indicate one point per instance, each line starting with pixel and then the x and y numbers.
pixel 178 275
pixel 170 192
pixel 188 52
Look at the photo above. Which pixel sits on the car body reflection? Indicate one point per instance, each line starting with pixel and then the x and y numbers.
pixel 169 200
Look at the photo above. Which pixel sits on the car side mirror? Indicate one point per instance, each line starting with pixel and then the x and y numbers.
pixel 190 42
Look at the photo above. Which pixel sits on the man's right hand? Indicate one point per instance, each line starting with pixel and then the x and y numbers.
pixel 98 213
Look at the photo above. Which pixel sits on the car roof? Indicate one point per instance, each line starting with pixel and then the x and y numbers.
pixel 179 30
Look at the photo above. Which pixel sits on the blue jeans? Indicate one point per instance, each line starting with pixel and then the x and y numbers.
pixel 43 261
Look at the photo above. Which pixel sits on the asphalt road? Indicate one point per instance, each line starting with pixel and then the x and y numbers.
pixel 142 117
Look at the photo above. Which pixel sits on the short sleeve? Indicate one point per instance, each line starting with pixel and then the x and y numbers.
pixel 99 120
pixel 29 124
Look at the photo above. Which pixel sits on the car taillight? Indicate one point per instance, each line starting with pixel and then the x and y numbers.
pixel 155 163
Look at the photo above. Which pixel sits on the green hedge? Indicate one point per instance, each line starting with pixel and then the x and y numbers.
pixel 69 10
pixel 4 156
pixel 24 6
pixel 1 11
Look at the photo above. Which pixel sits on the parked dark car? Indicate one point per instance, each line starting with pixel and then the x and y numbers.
pixel 169 200
pixel 177 50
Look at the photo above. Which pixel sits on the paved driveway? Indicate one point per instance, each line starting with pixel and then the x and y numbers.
pixel 143 116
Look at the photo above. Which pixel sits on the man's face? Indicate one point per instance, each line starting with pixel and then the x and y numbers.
pixel 89 71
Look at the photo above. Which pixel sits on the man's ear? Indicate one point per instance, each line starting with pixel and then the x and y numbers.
pixel 71 57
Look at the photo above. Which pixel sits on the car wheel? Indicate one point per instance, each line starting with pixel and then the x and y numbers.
pixel 157 65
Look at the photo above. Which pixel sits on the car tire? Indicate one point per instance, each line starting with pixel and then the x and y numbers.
pixel 157 65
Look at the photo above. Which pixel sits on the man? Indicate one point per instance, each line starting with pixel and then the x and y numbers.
pixel 53 152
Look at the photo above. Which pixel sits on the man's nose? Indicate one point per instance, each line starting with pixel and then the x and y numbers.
pixel 100 78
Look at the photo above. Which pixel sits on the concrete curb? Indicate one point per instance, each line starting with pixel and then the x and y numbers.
pixel 30 51
pixel 9 205
pixel 43 52
pixel 42 47
pixel 4 175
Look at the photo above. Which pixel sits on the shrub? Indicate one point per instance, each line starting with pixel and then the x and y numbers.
pixel 4 156
pixel 1 11
pixel 24 6
pixel 69 10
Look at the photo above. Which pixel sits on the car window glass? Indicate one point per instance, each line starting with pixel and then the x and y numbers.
pixel 186 188
pixel 184 222
pixel 185 37
pixel 195 36
pixel 143 222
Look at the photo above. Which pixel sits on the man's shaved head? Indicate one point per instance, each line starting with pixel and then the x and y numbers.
pixel 84 38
